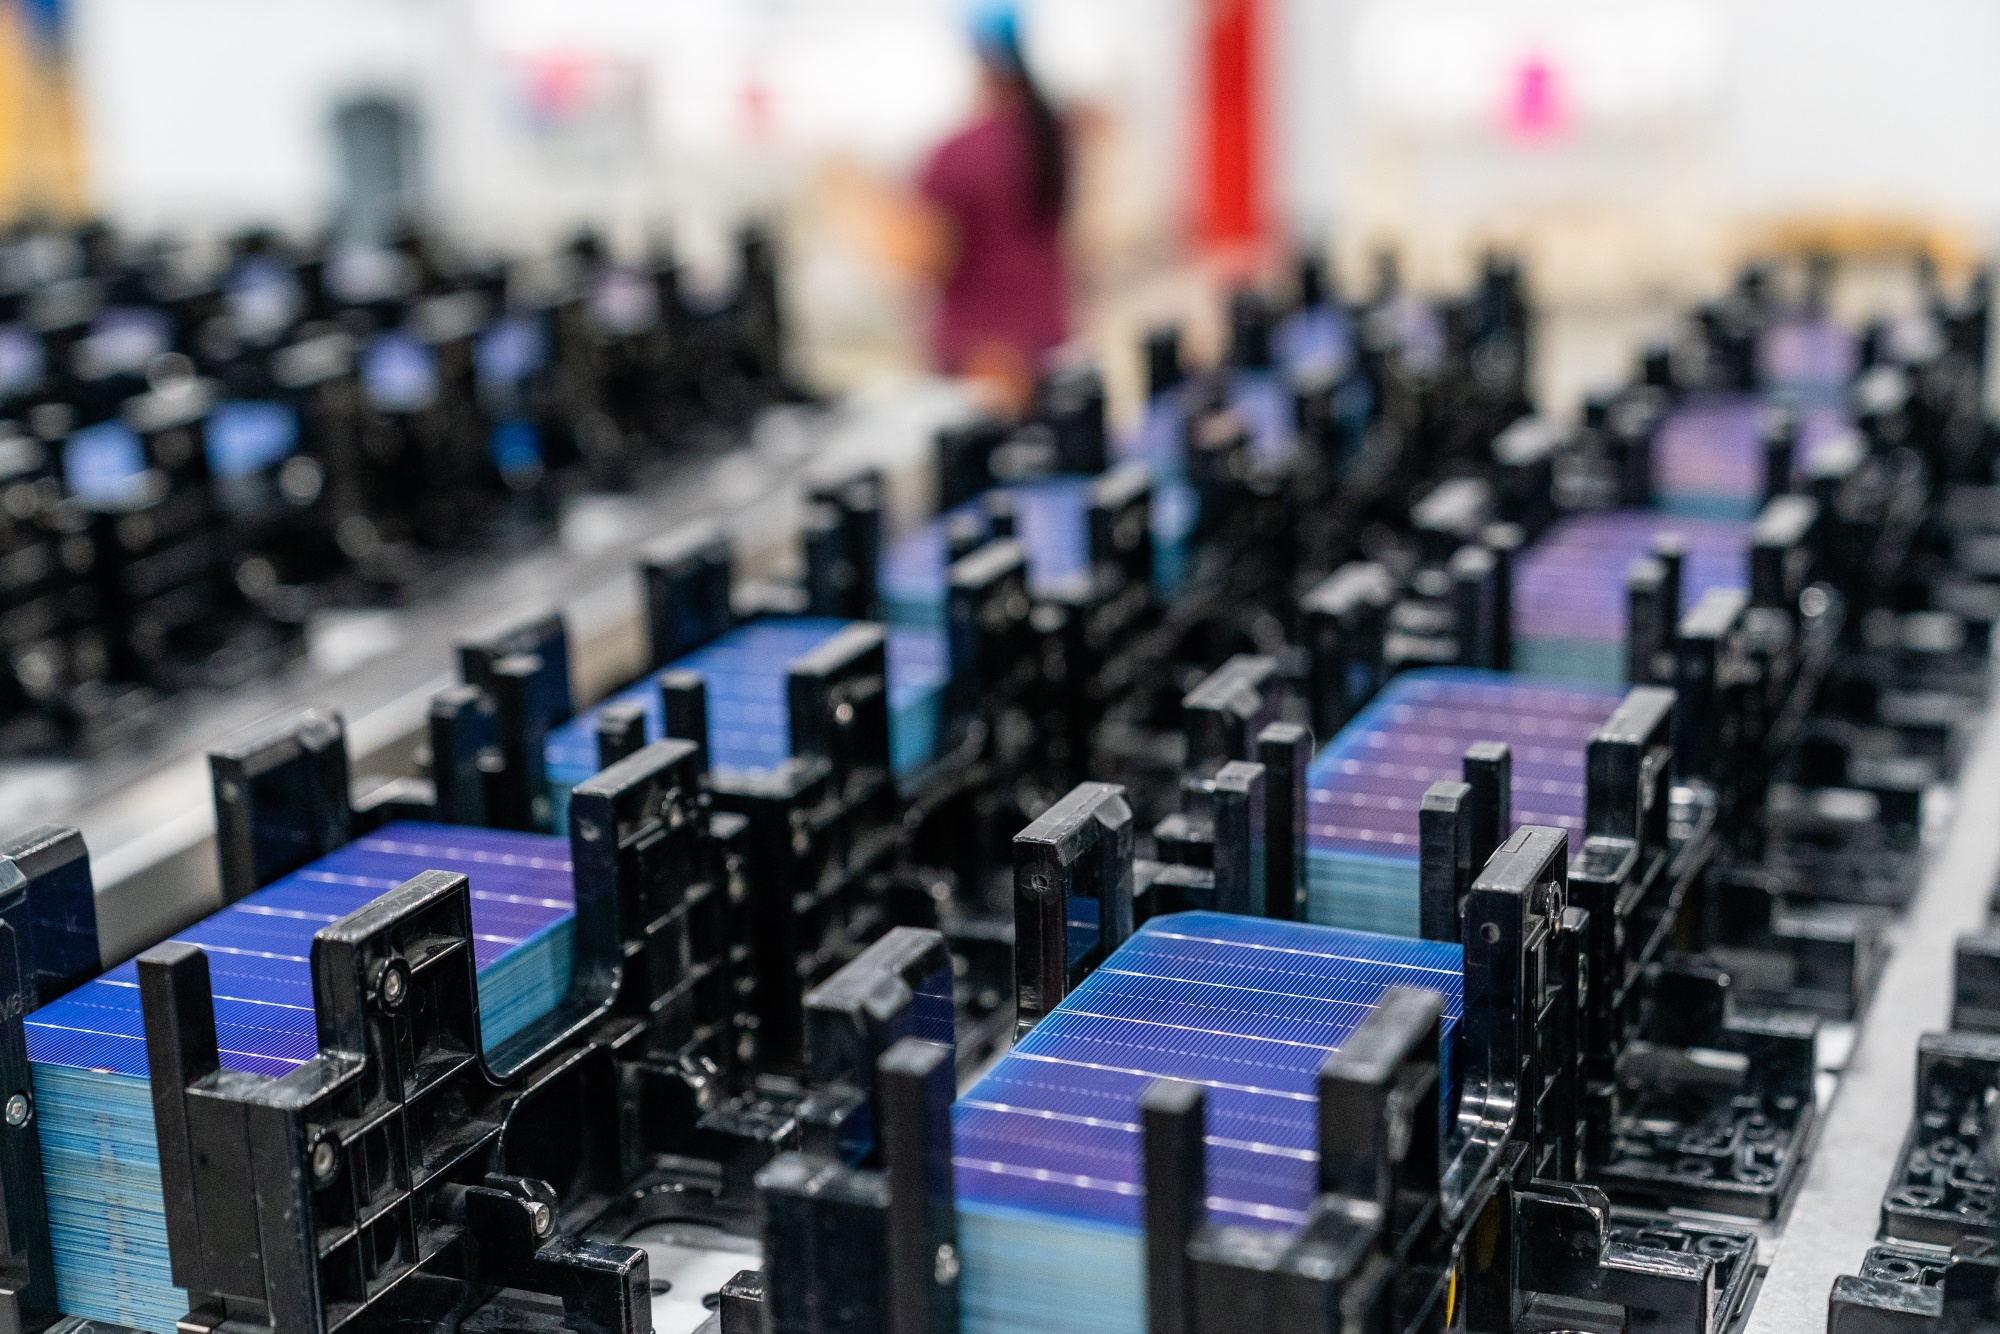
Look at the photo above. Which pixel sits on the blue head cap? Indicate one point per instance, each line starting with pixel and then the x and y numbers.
pixel 996 33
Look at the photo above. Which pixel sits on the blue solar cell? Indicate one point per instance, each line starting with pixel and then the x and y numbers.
pixel 105 464
pixel 1052 523
pixel 913 583
pixel 247 436
pixel 1046 1146
pixel 749 719
pixel 1364 789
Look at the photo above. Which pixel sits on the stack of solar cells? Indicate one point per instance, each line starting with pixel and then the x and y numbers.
pixel 1265 404
pixel 1046 1146
pixel 749 719
pixel 1161 444
pixel 1708 459
pixel 1052 523
pixel 1812 358
pixel 913 586
pixel 1364 789
pixel 107 1214
pixel 1570 599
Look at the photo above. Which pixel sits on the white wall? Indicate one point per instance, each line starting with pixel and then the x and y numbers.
pixel 1849 107
pixel 207 113
pixel 210 113
pixel 1859 101
pixel 1309 109
pixel 204 114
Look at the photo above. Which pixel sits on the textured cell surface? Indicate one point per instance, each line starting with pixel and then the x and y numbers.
pixel 1046 1146
pixel 1364 789
pixel 749 720
pixel 1708 459
pixel 1570 599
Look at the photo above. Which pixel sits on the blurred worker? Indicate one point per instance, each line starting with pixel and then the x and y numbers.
pixel 988 228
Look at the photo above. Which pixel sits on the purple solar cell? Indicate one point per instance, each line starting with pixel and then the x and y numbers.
pixel 1364 789
pixel 1571 583
pixel 1708 458
pixel 1808 355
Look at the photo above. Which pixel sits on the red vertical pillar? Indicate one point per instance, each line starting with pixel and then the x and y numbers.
pixel 1229 208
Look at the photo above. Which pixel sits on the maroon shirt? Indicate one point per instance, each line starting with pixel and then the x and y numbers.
pixel 1007 283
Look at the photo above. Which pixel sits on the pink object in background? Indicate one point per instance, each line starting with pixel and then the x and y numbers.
pixel 1535 110
pixel 577 95
pixel 557 84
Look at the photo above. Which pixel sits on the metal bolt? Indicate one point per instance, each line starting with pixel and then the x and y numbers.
pixel 392 984
pixel 843 714
pixel 324 1160
pixel 538 1213
pixel 19 1108
pixel 946 1272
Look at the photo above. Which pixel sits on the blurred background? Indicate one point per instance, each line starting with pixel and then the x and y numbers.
pixel 438 280
pixel 1632 151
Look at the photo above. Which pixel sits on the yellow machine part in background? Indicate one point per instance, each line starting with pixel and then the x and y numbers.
pixel 41 135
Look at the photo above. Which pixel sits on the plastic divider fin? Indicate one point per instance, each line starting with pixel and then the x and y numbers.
pixel 687 581
pixel 901 986
pixel 842 534
pixel 838 695
pixel 1172 1116
pixel 546 637
pixel 637 835
pixel 1285 750
pixel 684 699
pixel 281 798
pixel 621 731
pixel 1705 666
pixel 465 740
pixel 1475 595
pixel 1505 541
pixel 1781 551
pixel 531 697
pixel 1444 858
pixel 54 917
pixel 1513 917
pixel 41 873
pixel 914 1082
pixel 987 609
pixel 1488 770
pixel 1121 535
pixel 1223 715
pixel 1346 618
pixel 1072 895
pixel 1649 624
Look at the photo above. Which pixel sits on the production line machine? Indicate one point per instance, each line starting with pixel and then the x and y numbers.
pixel 200 452
pixel 1044 973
